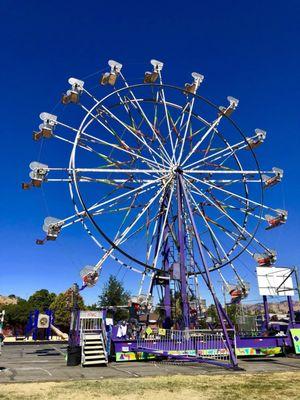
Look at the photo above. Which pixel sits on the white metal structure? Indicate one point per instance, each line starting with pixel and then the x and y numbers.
pixel 92 338
pixel 275 281
pixel 127 148
pixel 93 350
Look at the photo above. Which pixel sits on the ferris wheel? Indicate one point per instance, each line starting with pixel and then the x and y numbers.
pixel 163 181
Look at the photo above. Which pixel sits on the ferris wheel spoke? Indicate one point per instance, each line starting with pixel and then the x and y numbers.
pixel 152 236
pixel 228 182
pixel 215 223
pixel 81 145
pixel 213 125
pixel 130 172
pixel 134 156
pixel 134 99
pixel 246 248
pixel 180 120
pixel 216 259
pixel 186 130
pixel 162 95
pixel 140 214
pixel 235 236
pixel 228 150
pixel 232 194
pixel 242 232
pixel 122 200
pixel 215 237
pixel 86 179
pixel 142 227
pixel 127 194
pixel 135 103
pixel 214 241
pixel 115 182
pixel 208 148
pixel 200 130
pixel 107 126
pixel 90 149
pixel 162 230
pixel 143 188
pixel 121 171
pixel 132 131
pixel 225 170
pixel 129 210
pixel 242 210
pixel 240 228
pixel 177 131
pixel 124 149
pixel 238 242
pixel 123 146
pixel 122 236
pixel 136 127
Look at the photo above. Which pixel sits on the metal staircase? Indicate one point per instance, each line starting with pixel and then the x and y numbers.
pixel 93 349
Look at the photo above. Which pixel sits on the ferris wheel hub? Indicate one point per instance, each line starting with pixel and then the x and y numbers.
pixel 176 169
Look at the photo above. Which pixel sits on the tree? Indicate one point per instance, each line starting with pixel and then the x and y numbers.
pixel 212 312
pixel 41 300
pixel 114 294
pixel 62 308
pixel 92 307
pixel 17 314
pixel 232 312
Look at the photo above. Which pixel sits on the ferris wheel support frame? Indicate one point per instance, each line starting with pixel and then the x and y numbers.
pixel 182 259
pixel 206 276
pixel 166 266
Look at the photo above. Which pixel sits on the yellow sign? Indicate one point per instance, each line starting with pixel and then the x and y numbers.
pixel 296 339
pixel 162 332
pixel 149 330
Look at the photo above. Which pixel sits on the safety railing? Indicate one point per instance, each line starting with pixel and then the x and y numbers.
pixel 189 343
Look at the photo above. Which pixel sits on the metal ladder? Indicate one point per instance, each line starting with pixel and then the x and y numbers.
pixel 93 350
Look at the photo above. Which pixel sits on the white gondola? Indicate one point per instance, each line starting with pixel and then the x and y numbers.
pixel 52 226
pixel 89 276
pixel 238 292
pixel 270 181
pixel 258 140
pixel 276 220
pixel 73 95
pixel 151 77
pixel 266 258
pixel 47 127
pixel 111 77
pixel 233 103
pixel 37 175
pixel 192 87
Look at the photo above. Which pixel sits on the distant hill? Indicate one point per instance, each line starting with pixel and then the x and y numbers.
pixel 275 308
pixel 5 300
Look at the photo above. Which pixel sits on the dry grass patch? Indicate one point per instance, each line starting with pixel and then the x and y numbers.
pixel 275 386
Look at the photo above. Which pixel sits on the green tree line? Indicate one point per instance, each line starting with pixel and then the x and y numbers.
pixel 112 294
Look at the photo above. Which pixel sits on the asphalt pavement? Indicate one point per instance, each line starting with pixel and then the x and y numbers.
pixel 47 362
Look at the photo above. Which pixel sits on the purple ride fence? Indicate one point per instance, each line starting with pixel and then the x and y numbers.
pixel 190 343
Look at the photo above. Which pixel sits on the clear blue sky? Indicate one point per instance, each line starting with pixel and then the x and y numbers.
pixel 250 50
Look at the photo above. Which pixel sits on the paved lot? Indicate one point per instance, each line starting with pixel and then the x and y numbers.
pixel 46 362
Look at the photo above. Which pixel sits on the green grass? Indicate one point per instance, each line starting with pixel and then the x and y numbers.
pixel 274 386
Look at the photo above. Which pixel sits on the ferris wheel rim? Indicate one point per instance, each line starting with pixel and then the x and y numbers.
pixel 79 195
